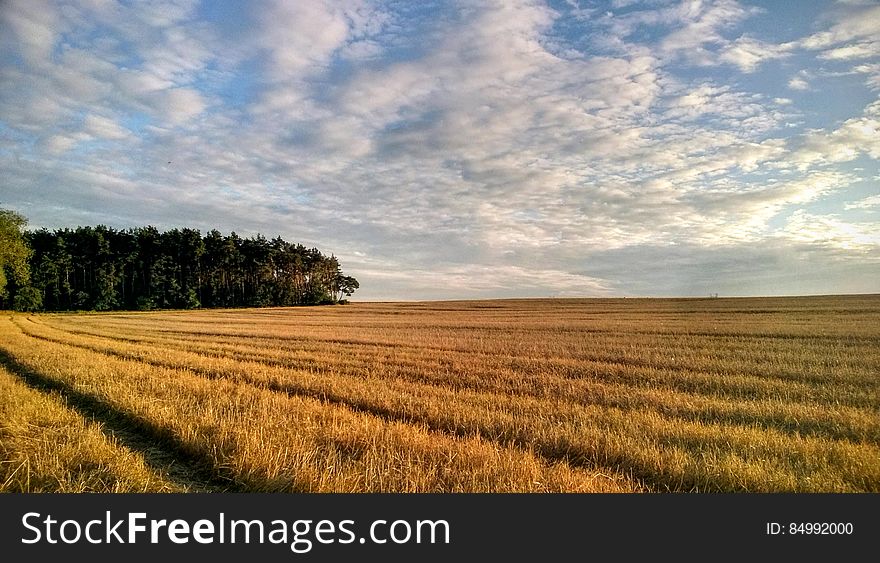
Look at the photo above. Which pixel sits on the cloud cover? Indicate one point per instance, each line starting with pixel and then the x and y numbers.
pixel 464 148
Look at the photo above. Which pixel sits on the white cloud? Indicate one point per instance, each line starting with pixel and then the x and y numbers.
pixel 57 144
pixel 181 104
pixel 855 23
pixel 829 231
pixel 302 36
pixel 104 127
pixel 854 137
pixel 870 202
pixel 700 24
pixel 139 82
pixel 164 13
pixel 710 99
pixel 34 27
pixel 177 58
pixel 872 72
pixel 798 83
pixel 748 53
pixel 465 280
pixel 854 51
pixel 765 201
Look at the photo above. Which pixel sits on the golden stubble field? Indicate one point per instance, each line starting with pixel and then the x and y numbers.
pixel 604 395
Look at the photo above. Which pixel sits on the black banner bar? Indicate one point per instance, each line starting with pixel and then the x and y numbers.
pixel 518 527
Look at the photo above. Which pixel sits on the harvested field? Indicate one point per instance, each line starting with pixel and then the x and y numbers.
pixel 544 395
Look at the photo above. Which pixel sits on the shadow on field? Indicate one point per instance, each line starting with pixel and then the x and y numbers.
pixel 161 450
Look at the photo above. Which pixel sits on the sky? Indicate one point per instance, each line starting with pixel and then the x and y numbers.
pixel 465 149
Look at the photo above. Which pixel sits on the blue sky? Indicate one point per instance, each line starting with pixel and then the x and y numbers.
pixel 466 149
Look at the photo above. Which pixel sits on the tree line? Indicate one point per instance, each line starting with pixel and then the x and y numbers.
pixel 102 269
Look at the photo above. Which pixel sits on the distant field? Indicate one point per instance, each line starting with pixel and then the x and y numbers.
pixel 607 395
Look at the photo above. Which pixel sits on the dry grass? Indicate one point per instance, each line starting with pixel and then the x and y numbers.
pixel 518 395
pixel 47 447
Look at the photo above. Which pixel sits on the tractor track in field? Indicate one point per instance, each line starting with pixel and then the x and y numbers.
pixel 160 450
pixel 699 385
pixel 529 364
pixel 552 452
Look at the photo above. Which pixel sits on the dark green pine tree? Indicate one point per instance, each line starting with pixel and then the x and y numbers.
pixel 101 268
